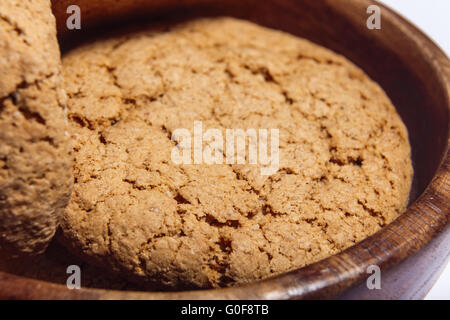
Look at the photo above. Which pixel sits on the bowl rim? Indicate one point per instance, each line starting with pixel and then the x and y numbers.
pixel 427 216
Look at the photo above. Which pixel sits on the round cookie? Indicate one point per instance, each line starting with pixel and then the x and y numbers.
pixel 35 154
pixel 344 172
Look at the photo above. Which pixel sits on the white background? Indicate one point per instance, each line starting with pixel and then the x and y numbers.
pixel 432 17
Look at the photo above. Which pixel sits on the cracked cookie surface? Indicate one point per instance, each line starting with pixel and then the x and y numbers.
pixel 345 168
pixel 35 154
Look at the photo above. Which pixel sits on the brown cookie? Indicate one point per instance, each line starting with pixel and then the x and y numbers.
pixel 35 155
pixel 344 171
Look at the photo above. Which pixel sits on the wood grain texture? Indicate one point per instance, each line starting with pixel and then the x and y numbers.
pixel 414 72
pixel 411 279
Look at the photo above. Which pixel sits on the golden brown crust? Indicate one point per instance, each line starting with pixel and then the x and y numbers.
pixel 35 160
pixel 345 168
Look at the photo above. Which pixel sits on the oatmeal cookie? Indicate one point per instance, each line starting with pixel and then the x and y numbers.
pixel 35 154
pixel 344 171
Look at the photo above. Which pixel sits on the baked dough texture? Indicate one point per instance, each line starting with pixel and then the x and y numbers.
pixel 35 154
pixel 345 168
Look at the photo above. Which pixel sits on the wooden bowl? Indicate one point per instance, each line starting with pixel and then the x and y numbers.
pixel 413 71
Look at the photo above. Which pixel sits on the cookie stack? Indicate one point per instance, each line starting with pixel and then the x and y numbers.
pixel 344 158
